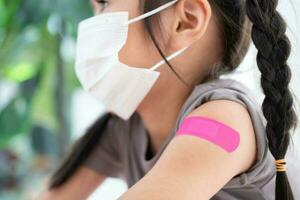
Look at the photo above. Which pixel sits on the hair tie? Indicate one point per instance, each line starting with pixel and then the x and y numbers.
pixel 280 165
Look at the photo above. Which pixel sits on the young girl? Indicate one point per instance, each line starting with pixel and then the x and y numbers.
pixel 175 129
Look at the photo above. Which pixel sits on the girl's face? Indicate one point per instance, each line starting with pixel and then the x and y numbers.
pixel 138 50
pixel 181 25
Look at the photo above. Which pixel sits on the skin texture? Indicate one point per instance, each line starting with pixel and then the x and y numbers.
pixel 175 175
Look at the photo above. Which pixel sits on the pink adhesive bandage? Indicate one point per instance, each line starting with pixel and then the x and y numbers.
pixel 211 130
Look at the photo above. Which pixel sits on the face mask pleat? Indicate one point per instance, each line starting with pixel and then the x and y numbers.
pixel 100 43
pixel 90 75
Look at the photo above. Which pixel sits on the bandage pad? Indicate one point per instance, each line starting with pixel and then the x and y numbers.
pixel 211 130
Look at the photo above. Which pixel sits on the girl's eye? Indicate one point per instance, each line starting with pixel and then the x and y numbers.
pixel 103 3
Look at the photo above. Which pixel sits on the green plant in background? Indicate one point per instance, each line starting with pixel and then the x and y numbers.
pixel 36 56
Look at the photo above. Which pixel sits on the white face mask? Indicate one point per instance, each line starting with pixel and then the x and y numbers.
pixel 119 87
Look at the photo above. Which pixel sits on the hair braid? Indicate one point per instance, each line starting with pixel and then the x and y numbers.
pixel 268 35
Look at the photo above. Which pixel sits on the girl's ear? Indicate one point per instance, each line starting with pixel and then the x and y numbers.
pixel 191 21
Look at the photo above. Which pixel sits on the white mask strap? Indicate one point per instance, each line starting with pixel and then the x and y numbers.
pixel 173 55
pixel 152 12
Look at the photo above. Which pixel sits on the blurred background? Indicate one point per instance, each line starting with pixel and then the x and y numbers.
pixel 43 109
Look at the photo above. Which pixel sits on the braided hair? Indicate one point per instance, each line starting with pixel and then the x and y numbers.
pixel 268 35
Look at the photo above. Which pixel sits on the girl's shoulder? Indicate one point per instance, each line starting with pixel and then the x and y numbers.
pixel 230 89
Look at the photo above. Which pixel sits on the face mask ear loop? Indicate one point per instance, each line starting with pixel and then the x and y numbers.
pixel 160 8
pixel 168 58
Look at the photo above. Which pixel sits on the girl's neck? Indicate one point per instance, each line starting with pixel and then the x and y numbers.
pixel 160 108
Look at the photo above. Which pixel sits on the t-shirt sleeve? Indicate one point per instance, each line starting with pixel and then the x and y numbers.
pixel 262 169
pixel 106 156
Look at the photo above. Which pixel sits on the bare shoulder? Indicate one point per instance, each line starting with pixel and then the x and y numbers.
pixel 236 116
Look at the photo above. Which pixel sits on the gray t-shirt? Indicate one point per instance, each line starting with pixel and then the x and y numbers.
pixel 123 150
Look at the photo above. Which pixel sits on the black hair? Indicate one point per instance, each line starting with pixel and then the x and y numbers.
pixel 269 37
pixel 240 20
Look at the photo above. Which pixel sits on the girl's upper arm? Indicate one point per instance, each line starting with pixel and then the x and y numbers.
pixel 194 168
